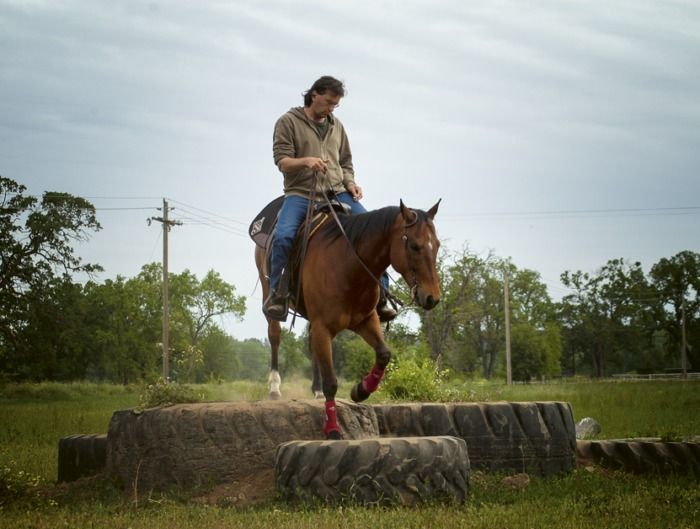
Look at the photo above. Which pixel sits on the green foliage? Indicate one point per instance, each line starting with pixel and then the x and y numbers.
pixel 467 328
pixel 254 358
pixel 359 359
pixel 36 261
pixel 293 359
pixel 534 352
pixel 163 393
pixel 17 485
pixel 408 379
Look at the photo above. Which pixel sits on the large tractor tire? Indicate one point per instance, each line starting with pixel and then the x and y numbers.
pixel 533 437
pixel 188 445
pixel 641 457
pixel 403 471
pixel 81 455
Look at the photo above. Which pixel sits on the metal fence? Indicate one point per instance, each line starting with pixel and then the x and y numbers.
pixel 655 376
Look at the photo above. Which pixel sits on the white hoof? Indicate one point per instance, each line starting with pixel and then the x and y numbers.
pixel 274 382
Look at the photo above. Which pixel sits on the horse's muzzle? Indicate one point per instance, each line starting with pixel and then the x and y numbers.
pixel 427 301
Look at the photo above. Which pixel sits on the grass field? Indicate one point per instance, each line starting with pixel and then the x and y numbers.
pixel 33 417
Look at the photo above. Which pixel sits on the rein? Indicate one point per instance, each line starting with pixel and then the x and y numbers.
pixel 305 240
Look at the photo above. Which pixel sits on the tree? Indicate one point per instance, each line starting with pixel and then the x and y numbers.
pixel 194 307
pixel 195 304
pixel 535 333
pixel 466 330
pixel 36 246
pixel 445 327
pixel 254 358
pixel 124 318
pixel 677 283
pixel 51 343
pixel 607 315
pixel 292 355
pixel 220 358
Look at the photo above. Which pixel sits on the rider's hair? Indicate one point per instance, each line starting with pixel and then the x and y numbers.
pixel 322 85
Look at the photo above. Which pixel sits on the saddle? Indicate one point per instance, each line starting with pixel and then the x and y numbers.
pixel 261 230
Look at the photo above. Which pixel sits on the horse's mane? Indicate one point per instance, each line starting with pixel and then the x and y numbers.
pixel 364 225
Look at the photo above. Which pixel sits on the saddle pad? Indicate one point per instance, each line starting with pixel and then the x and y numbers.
pixel 264 223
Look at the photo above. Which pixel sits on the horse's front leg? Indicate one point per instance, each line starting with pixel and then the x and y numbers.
pixel 322 354
pixel 316 387
pixel 274 381
pixel 371 331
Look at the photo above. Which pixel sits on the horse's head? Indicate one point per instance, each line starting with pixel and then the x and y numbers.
pixel 414 255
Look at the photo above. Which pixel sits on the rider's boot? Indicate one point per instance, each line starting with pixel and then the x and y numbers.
pixel 275 306
pixel 384 309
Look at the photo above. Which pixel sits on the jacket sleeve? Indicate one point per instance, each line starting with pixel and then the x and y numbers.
pixel 283 140
pixel 345 159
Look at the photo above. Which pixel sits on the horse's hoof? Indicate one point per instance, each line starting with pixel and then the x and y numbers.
pixel 275 395
pixel 334 435
pixel 319 395
pixel 358 393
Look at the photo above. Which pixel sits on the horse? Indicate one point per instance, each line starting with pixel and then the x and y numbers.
pixel 340 289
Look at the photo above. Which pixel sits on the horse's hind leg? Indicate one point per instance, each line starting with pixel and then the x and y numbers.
pixel 274 381
pixel 274 330
pixel 371 331
pixel 322 356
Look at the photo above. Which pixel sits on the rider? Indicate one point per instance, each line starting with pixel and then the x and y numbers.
pixel 310 148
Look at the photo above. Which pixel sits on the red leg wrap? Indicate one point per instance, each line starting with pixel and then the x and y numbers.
pixel 331 422
pixel 371 382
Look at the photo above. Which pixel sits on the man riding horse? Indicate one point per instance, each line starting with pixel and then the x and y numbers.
pixel 311 149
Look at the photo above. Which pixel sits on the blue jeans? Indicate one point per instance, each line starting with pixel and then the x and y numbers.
pixel 291 216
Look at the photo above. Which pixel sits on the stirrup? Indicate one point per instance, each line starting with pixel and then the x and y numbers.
pixel 385 311
pixel 276 307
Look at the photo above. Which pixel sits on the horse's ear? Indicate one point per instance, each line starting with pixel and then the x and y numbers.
pixel 432 211
pixel 405 212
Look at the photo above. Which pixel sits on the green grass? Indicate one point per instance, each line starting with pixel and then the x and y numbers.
pixel 33 417
pixel 578 500
pixel 624 409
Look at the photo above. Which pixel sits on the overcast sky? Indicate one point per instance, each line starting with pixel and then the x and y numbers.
pixel 560 134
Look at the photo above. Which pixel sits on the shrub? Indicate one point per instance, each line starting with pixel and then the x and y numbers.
pixel 163 393
pixel 16 484
pixel 408 379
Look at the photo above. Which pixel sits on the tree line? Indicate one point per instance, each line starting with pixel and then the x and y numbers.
pixel 618 319
pixel 53 328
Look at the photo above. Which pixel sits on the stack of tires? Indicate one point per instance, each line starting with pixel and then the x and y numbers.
pixel 391 454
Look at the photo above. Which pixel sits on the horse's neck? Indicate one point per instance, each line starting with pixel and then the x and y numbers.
pixel 376 252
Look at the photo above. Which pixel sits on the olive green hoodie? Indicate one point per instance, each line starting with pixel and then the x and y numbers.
pixel 296 136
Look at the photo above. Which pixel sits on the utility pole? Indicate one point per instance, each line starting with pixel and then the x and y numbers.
pixel 684 358
pixel 166 308
pixel 509 372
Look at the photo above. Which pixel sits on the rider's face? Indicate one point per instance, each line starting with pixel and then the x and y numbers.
pixel 323 104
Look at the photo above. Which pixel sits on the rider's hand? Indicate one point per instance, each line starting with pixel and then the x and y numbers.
pixel 355 191
pixel 316 164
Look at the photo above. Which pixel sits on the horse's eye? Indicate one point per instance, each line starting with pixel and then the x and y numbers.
pixel 414 246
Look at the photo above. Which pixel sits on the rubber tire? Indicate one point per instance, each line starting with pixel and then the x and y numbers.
pixel 534 437
pixel 383 471
pixel 641 457
pixel 81 455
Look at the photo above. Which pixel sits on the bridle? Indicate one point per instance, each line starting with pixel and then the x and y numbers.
pixel 404 238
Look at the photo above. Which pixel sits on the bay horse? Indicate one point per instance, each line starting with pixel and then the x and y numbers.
pixel 340 292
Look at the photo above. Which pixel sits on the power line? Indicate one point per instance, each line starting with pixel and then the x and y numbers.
pixel 211 222
pixel 127 209
pixel 680 210
pixel 230 219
